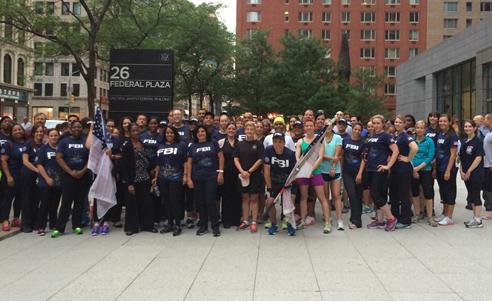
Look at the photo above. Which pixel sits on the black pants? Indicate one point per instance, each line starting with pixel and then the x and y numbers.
pixel 400 186
pixel 231 200
pixel 172 199
pixel 447 189
pixel 354 192
pixel 205 198
pixel 30 200
pixel 114 214
pixel 474 188
pixel 11 194
pixel 74 191
pixel 50 200
pixel 189 200
pixel 426 181
pixel 139 214
pixel 378 185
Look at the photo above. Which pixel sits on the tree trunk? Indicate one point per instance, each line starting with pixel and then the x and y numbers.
pixel 91 78
pixel 190 104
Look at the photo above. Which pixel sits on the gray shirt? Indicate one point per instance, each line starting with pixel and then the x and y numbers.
pixel 487 147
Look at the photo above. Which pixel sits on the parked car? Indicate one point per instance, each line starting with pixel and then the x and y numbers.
pixel 52 123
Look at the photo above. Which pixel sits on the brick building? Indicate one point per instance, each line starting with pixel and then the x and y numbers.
pixel 382 33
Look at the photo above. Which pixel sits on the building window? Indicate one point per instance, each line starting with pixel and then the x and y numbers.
pixel 65 69
pixel 286 16
pixel 392 2
pixel 389 89
pixel 305 16
pixel 367 53
pixel 76 89
pixel 368 16
pixel 8 32
pixel 469 7
pixel 469 22
pixel 369 69
pixel 447 36
pixel 39 7
pixel 367 34
pixel 346 17
pixel 392 53
pixel 75 70
pixel 50 8
pixel 21 73
pixel 49 69
pixel 392 17
pixel 76 8
pixel 326 2
pixel 38 89
pixel 450 7
pixel 305 1
pixel 414 17
pixel 414 2
pixel 486 6
pixel 390 71
pixel 254 1
pixel 346 32
pixel 38 68
pixel 326 17
pixel 412 52
pixel 253 16
pixel 392 35
pixel 414 35
pixel 325 35
pixel 250 33
pixel 63 89
pixel 7 69
pixel 451 23
pixel 48 89
pixel 345 2
pixel 305 33
pixel 65 8
pixel 368 2
pixel 487 86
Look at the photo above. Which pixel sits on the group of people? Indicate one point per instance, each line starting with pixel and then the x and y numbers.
pixel 211 170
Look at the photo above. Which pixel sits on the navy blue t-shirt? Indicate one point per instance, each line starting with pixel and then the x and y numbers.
pixel 378 150
pixel 3 138
pixel 353 154
pixel 47 158
pixel 469 150
pixel 240 134
pixel 171 158
pixel 14 150
pixel 205 160
pixel 217 135
pixel 184 133
pixel 74 152
pixel 443 149
pixel 280 165
pixel 403 141
pixel 432 133
pixel 32 150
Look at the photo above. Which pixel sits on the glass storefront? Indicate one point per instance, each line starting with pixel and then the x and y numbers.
pixel 456 90
pixel 487 87
pixel 48 111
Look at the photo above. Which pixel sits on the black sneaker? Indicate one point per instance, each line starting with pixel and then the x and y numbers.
pixel 190 224
pixel 216 232
pixel 177 231
pixel 26 229
pixel 469 206
pixel 167 229
pixel 201 231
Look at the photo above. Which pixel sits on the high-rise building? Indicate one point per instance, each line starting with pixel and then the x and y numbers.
pixel 15 72
pixel 449 17
pixel 382 33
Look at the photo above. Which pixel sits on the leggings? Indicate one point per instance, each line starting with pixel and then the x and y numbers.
pixel 30 200
pixel 400 186
pixel 354 192
pixel 11 194
pixel 74 192
pixel 172 198
pixel 205 197
pixel 50 200
pixel 447 189
pixel 378 185
pixel 139 214
pixel 231 200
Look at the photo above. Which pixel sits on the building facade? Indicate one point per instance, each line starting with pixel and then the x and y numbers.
pixel 454 77
pixel 382 33
pixel 16 56
pixel 59 88
pixel 449 17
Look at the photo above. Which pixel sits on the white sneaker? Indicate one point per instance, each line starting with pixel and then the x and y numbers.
pixel 340 225
pixel 446 222
pixel 439 218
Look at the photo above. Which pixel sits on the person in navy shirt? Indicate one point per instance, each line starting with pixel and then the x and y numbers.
pixel 11 156
pixel 170 176
pixel 401 175
pixel 5 128
pixel 432 126
pixel 72 155
pixel 205 167
pixel 29 173
pixel 353 163
pixel 380 147
pixel 49 183
pixel 445 170
pixel 472 170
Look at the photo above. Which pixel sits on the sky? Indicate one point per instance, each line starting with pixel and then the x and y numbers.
pixel 227 14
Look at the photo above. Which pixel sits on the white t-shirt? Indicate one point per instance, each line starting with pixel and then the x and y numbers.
pixel 289 143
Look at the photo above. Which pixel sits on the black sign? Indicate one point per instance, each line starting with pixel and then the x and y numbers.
pixel 140 81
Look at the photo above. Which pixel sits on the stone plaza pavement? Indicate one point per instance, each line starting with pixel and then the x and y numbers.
pixel 422 263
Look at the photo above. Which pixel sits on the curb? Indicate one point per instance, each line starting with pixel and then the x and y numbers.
pixel 10 234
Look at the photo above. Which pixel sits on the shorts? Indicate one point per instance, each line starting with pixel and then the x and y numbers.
pixel 474 189
pixel 256 184
pixel 277 188
pixel 328 178
pixel 315 180
pixel 487 184
pixel 426 181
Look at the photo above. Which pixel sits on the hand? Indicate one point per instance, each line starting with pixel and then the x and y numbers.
pixel 220 178
pixel 434 173
pixel 131 189
pixel 383 168
pixel 189 182
pixel 50 182
pixel 403 158
pixel 10 182
pixel 109 152
pixel 154 181
pixel 462 174
pixel 245 174
pixel 416 175
pixel 73 173
pixel 447 175
pixel 332 173
pixel 358 179
pixel 184 180
pixel 467 176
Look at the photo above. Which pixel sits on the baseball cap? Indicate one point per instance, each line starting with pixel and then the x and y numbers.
pixel 279 120
pixel 342 121
pixel 298 124
pixel 278 136
pixel 193 119
pixel 163 123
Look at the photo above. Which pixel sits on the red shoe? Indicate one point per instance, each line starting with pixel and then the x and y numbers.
pixel 253 228
pixel 6 227
pixel 16 223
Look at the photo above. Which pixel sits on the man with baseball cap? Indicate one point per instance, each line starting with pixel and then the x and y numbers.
pixel 279 127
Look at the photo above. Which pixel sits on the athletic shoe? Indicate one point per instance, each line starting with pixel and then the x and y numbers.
pixel 327 228
pixel 96 229
pixel 284 224
pixel 216 232
pixel 16 223
pixel 273 229
pixel 446 222
pixel 253 228
pixel 167 229
pixel 105 229
pixel 6 227
pixel 475 224
pixel 469 206
pixel 201 231
pixel 439 218
pixel 291 231
pixel 400 226
pixel 487 216
pixel 55 234
pixel 345 210
pixel 26 229
pixel 375 224
pixel 367 209
pixel 41 232
pixel 391 225
pixel 77 231
pixel 268 224
pixel 340 225
pixel 190 224
pixel 118 224
pixel 299 227
pixel 243 225
pixel 431 222
pixel 310 221
pixel 177 231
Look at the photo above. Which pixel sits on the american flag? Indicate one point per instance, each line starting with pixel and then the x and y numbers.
pixel 99 129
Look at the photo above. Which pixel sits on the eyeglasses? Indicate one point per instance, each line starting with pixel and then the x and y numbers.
pixel 275 124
